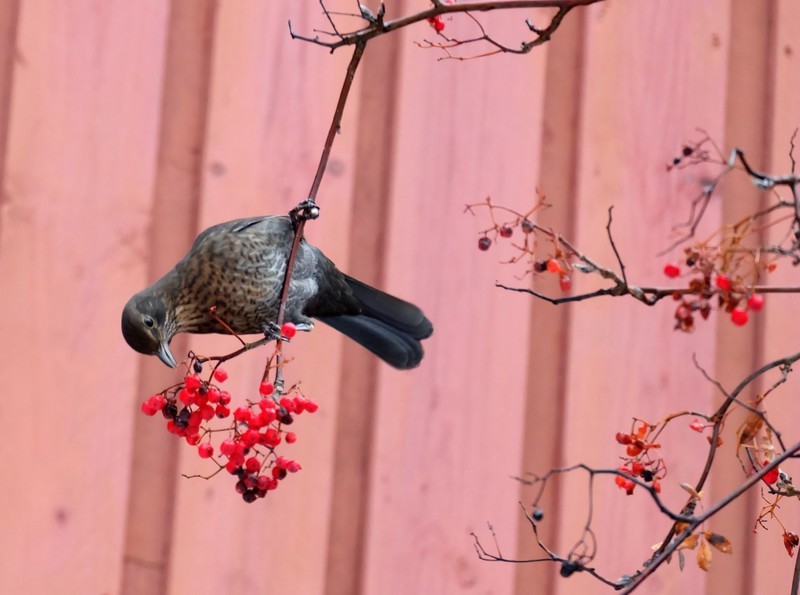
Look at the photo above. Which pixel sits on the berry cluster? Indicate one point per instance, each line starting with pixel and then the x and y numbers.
pixel 639 462
pixel 252 434
pixel 709 287
pixel 557 264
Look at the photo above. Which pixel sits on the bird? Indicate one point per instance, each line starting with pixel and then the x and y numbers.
pixel 233 274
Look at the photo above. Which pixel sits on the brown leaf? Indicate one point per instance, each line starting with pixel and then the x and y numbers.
pixel 689 543
pixel 704 555
pixel 720 441
pixel 681 560
pixel 749 429
pixel 790 541
pixel 719 542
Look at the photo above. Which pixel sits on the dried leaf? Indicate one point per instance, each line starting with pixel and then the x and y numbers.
pixel 790 541
pixel 719 542
pixel 704 555
pixel 692 492
pixel 681 561
pixel 749 429
pixel 720 441
pixel 680 527
pixel 689 543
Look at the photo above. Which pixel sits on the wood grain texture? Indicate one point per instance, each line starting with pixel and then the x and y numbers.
pixel 79 168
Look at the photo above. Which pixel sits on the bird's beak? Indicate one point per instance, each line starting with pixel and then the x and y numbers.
pixel 165 355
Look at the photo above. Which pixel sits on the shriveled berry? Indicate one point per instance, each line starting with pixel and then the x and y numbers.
pixel 220 375
pixel 739 316
pixel 540 266
pixel 205 450
pixel 198 367
pixel 672 270
pixel 755 302
pixel 527 225
pixel 224 397
pixel 565 282
pixel 623 438
pixel 506 231
pixel 538 514
pixel 484 243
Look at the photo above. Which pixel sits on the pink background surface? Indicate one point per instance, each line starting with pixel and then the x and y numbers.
pixel 127 127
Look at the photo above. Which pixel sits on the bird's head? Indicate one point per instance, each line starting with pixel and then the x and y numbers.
pixel 145 328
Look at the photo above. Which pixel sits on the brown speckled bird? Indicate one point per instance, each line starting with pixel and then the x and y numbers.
pixel 239 267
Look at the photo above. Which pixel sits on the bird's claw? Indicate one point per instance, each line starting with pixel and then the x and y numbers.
pixel 272 331
pixel 305 211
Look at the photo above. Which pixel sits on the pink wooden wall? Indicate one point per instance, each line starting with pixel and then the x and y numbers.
pixel 127 127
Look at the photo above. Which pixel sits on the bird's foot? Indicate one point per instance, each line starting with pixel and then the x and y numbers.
pixel 304 211
pixel 273 332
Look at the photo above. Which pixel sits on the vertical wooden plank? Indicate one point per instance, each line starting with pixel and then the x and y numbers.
pixel 448 435
pixel 355 424
pixel 9 16
pixel 154 465
pixel 741 348
pixel 78 175
pixel 271 101
pixel 547 352
pixel 772 567
pixel 652 74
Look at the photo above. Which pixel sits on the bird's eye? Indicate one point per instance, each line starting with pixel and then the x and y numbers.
pixel 148 322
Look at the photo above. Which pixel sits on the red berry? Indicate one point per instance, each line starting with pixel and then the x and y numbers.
pixel 623 438
pixel 565 282
pixel 287 404
pixel 250 438
pixel 554 267
pixel 771 476
pixel 213 395
pixel 724 282
pixel 637 468
pixel 267 405
pixel 252 465
pixel 148 408
pixel 224 397
pixel 158 402
pixel 291 437
pixel 242 414
pixel 207 412
pixel 293 467
pixel 484 244
pixel 266 417
pixel 192 383
pixel 739 316
pixel 220 375
pixel 288 330
pixel 672 270
pixel 271 438
pixel 755 302
pixel 193 439
pixel 186 396
pixel 266 389
pixel 222 411
pixel 205 450
pixel 231 467
pixel 228 447
pixel 281 462
pixel 506 231
pixel 310 406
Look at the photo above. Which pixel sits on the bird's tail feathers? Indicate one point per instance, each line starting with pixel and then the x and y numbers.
pixel 389 327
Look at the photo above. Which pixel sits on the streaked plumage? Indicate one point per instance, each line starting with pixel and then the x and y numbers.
pixel 239 267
